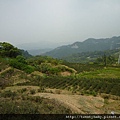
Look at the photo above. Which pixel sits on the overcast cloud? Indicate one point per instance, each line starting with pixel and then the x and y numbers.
pixel 58 21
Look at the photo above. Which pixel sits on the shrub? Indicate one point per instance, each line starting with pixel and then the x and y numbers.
pixel 22 90
pixel 14 63
pixel 105 96
pixel 4 82
pixel 37 99
pixel 21 107
pixel 8 93
pixel 32 91
pixel 28 69
pixel 57 91
pixel 45 67
pixel 8 72
pixel 22 66
pixel 94 93
pixel 82 93
pixel 41 89
pixel 21 59
pixel 54 70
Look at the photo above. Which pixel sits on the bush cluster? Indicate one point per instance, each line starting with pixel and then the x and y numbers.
pixel 24 104
pixel 8 93
pixel 20 63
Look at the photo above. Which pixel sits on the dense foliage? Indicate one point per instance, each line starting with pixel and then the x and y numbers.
pixel 21 63
pixel 8 50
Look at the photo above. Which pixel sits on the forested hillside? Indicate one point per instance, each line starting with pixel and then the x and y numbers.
pixel 94 57
pixel 89 45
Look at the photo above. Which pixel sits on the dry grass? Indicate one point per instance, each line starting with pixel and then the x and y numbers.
pixel 5 70
pixel 65 73
pixel 77 103
pixel 37 73
pixel 81 104
pixel 15 88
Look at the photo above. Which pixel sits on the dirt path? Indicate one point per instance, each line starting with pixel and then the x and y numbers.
pixel 77 103
pixel 5 70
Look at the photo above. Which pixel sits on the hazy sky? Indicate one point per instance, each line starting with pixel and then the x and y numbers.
pixel 58 21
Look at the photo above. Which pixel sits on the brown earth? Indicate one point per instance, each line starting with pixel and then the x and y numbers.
pixel 77 103
pixel 81 104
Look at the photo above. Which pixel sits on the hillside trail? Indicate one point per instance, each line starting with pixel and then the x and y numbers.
pixel 5 70
pixel 77 103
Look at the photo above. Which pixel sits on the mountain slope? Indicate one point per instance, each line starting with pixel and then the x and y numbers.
pixel 38 51
pixel 85 57
pixel 90 44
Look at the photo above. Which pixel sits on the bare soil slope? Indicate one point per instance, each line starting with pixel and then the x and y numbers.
pixel 77 103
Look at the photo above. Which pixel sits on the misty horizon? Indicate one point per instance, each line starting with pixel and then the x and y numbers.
pixel 44 45
pixel 47 45
pixel 57 22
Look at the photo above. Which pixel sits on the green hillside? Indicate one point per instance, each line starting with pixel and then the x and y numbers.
pixel 15 69
pixel 86 57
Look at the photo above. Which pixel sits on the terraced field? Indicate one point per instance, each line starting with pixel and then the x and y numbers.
pixel 93 90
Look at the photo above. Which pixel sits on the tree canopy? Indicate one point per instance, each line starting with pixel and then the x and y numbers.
pixel 8 50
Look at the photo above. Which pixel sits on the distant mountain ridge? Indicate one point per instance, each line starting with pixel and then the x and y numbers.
pixel 90 44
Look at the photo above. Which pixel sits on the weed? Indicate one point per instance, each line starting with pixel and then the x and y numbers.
pixel 41 89
pixel 23 90
pixel 57 91
pixel 8 93
pixel 32 91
